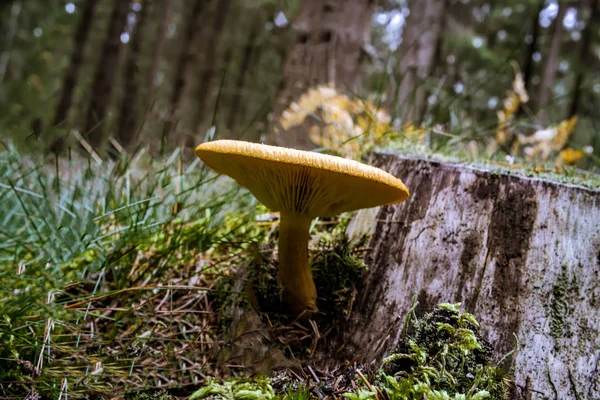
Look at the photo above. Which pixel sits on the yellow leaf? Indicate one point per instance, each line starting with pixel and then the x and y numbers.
pixel 339 117
pixel 413 133
pixel 570 156
pixel 564 130
pixel 511 104
pixel 345 124
pixel 519 84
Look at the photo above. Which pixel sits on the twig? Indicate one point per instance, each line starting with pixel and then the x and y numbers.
pixel 313 374
pixel 87 146
pixel 362 377
pixel 131 289
pixel 316 337
pixel 117 146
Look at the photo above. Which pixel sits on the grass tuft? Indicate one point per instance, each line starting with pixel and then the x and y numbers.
pixel 106 269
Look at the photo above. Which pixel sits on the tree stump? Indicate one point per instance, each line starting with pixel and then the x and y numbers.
pixel 521 254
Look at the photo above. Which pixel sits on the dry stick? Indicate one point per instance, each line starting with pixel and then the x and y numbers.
pixel 362 377
pixel 317 336
pixel 147 287
pixel 117 145
pixel 291 353
pixel 177 205
pixel 87 147
pixel 64 389
pixel 298 377
pixel 313 374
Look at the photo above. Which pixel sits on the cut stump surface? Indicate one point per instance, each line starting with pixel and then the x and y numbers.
pixel 521 254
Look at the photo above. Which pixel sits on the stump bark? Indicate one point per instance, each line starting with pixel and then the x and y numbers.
pixel 521 254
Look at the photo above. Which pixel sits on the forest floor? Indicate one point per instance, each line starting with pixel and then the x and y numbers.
pixel 118 282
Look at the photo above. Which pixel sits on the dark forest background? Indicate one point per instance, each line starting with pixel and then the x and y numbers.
pixel 120 74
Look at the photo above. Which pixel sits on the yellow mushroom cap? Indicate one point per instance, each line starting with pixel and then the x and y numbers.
pixel 303 182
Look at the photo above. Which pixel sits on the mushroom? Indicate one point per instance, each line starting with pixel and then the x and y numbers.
pixel 301 185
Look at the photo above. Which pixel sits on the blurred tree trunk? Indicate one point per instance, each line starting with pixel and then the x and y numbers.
pixel 83 30
pixel 437 70
pixel 584 54
pixel 128 119
pixel 184 70
pixel 211 44
pixel 9 32
pixel 106 70
pixel 81 36
pixel 552 59
pixel 249 51
pixel 532 45
pixel 330 35
pixel 167 9
pixel 417 52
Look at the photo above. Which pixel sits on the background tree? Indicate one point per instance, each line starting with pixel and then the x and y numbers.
pixel 210 61
pixel 329 47
pixel 552 60
pixel 166 6
pixel 187 59
pixel 128 119
pixel 584 55
pixel 106 70
pixel 242 74
pixel 417 54
pixel 10 19
pixel 70 79
pixel 531 39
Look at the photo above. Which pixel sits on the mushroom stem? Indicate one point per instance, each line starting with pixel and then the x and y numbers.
pixel 294 272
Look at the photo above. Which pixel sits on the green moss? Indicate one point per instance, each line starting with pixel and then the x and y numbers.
pixel 257 389
pixel 336 268
pixel 585 178
pixel 265 290
pixel 336 265
pixel 360 394
pixel 225 299
pixel 445 355
pixel 559 305
pixel 13 376
pixel 159 395
pixel 15 371
pixel 299 394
